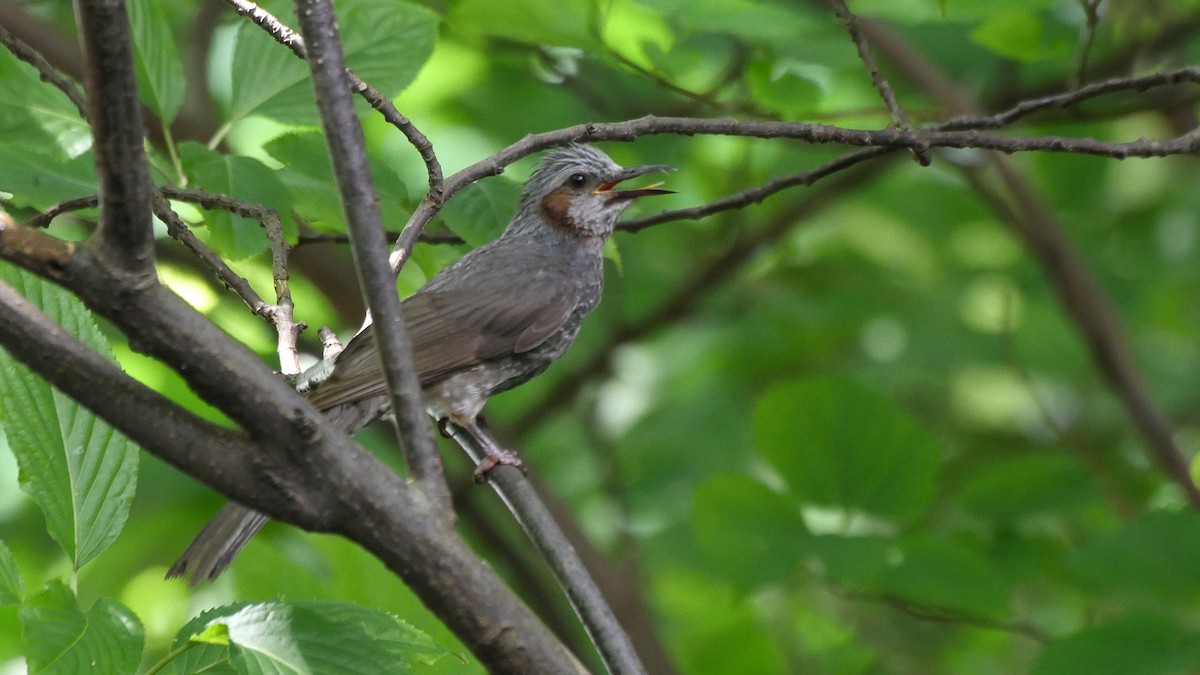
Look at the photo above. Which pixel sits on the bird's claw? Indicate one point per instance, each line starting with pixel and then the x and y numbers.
pixel 493 460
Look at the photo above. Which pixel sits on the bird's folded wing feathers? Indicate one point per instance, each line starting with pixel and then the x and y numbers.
pixel 454 329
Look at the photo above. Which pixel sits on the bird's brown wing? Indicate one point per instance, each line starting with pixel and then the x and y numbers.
pixel 454 329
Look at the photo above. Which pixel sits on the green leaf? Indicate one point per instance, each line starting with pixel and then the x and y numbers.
pixel 230 235
pixel 12 589
pixel 160 78
pixel 79 470
pixel 60 638
pixel 307 173
pixel 1134 645
pixel 1016 34
pixel 1015 487
pixel 751 533
pixel 1151 555
pixel 563 24
pixel 34 115
pixel 306 637
pixel 838 443
pixel 945 576
pixel 385 43
pixel 479 212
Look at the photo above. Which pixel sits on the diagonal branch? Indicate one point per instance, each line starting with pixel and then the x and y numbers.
pixel 369 246
pixel 614 645
pixel 881 84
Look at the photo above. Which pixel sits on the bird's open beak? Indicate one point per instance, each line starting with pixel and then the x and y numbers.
pixel 610 188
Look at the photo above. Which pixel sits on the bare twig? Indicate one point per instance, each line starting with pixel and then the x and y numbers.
pixel 1189 74
pixel 1091 12
pixel 426 238
pixel 47 72
pixel 280 314
pixel 881 84
pixel 347 153
pixel 181 233
pixel 754 195
pixel 44 218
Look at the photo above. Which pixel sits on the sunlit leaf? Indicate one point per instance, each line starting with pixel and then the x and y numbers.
pixel 160 78
pixel 307 637
pixel 12 588
pixel 81 472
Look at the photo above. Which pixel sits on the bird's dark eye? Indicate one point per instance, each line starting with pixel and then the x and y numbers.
pixel 577 180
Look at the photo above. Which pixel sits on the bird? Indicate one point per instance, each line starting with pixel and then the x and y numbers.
pixel 491 321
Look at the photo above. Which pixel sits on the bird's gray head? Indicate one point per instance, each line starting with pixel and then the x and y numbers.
pixel 575 189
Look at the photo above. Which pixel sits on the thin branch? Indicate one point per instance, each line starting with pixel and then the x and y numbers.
pixel 179 231
pixel 124 237
pixel 614 646
pixel 881 84
pixel 288 38
pixel 281 314
pixel 756 195
pixel 1189 74
pixel 1091 13
pixel 347 153
pixel 44 218
pixel 948 616
pixel 46 72
pixel 426 238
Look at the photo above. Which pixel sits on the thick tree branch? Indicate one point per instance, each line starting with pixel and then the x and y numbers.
pixel 125 237
pixel 347 153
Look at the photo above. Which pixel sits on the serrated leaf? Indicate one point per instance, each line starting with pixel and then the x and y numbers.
pixel 12 589
pixel 385 44
pixel 307 637
pixel 752 534
pixel 479 212
pixel 1135 645
pixel 838 443
pixel 61 638
pixel 80 471
pixel 160 79
pixel 233 236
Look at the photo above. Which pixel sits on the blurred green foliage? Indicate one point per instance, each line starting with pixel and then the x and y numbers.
pixel 846 430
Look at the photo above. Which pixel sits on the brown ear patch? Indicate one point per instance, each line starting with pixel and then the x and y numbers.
pixel 556 206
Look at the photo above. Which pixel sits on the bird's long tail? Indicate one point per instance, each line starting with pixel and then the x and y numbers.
pixel 215 547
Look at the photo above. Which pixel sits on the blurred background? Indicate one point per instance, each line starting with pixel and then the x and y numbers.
pixel 850 429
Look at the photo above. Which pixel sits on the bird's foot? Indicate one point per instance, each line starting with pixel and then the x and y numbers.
pixel 494 459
